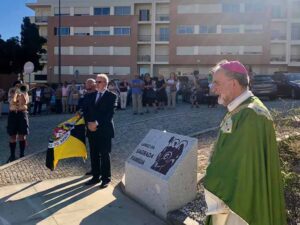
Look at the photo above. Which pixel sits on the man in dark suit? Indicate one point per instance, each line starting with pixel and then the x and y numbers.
pixel 98 113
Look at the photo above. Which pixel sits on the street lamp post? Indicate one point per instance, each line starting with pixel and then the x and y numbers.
pixel 59 43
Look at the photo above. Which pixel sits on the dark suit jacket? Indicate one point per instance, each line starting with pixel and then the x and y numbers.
pixel 101 111
pixel 33 94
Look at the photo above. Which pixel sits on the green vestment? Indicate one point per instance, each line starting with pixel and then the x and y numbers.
pixel 244 170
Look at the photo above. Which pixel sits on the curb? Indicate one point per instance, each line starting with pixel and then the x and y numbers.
pixel 20 159
pixel 202 132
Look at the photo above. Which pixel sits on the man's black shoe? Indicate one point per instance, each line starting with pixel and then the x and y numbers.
pixel 88 173
pixel 92 181
pixel 104 184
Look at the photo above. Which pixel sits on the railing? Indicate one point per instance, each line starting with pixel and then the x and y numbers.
pixel 161 58
pixel 162 37
pixel 278 58
pixel 162 17
pixel 143 58
pixel 144 18
pixel 144 37
pixel 41 19
pixel 295 58
pixel 278 37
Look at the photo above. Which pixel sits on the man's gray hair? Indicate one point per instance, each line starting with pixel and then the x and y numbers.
pixel 103 76
pixel 90 80
pixel 241 78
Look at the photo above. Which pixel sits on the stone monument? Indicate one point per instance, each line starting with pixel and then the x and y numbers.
pixel 161 173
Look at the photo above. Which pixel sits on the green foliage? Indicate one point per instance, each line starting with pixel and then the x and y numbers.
pixel 289 151
pixel 287 123
pixel 31 42
pixel 14 53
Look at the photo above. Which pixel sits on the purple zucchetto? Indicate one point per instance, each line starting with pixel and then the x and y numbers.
pixel 234 66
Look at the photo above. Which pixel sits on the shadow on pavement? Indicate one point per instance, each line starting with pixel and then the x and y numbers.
pixel 35 206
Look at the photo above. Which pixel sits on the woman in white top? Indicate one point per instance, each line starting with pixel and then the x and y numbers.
pixel 171 90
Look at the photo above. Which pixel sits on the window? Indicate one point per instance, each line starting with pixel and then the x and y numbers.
pixel 80 11
pixel 64 11
pixel 253 50
pixel 295 9
pixel 164 34
pixel 208 29
pixel 122 10
pixel 123 31
pixel 64 70
pixel 254 28
pixel 278 12
pixel 144 15
pixel 295 31
pixel 81 70
pixel 101 69
pixel 81 31
pixel 81 51
pixel 105 11
pixel 229 50
pixel 121 70
pixel 184 50
pixel 64 31
pixel 64 50
pixel 185 29
pixel 121 51
pixel 207 50
pixel 227 29
pixel 231 7
pixel 101 31
pixel 187 9
pixel 254 7
pixel 101 51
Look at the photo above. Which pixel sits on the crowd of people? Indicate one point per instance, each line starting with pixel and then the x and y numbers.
pixel 144 93
pixel 242 183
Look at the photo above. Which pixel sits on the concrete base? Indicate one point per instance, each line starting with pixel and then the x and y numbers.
pixel 164 193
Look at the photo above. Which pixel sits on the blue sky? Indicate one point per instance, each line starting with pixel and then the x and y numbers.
pixel 11 17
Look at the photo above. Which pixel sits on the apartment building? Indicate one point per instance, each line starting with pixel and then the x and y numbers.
pixel 122 38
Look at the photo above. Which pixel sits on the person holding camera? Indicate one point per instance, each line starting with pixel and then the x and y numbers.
pixel 17 122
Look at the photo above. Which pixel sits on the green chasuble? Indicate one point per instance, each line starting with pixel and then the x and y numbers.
pixel 244 169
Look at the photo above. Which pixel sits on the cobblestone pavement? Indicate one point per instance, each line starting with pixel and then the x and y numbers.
pixel 130 129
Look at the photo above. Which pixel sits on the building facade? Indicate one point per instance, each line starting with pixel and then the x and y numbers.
pixel 122 38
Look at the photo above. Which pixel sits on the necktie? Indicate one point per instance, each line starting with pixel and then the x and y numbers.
pixel 98 96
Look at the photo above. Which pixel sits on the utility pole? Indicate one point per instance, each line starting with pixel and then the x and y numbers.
pixel 59 43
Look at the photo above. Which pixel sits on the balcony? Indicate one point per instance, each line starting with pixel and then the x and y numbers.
pixel 162 17
pixel 295 58
pixel 278 37
pixel 41 19
pixel 44 58
pixel 143 58
pixel 278 58
pixel 161 58
pixel 144 38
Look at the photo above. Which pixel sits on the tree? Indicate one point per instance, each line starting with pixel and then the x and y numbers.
pixel 14 54
pixel 11 56
pixel 31 43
